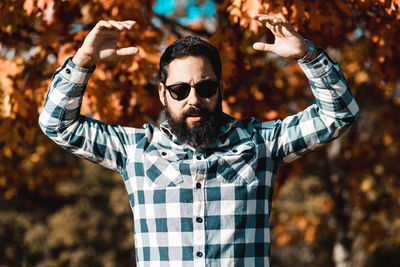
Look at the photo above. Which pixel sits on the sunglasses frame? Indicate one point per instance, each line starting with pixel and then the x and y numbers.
pixel 189 88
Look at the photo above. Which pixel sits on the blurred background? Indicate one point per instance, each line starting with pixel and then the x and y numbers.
pixel 335 207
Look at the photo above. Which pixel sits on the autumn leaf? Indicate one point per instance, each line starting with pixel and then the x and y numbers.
pixel 29 5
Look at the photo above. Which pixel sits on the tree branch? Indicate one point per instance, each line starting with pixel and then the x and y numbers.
pixel 173 25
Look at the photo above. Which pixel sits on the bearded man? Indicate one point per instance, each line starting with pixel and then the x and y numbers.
pixel 200 186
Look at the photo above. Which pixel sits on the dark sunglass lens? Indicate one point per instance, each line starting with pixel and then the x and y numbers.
pixel 206 89
pixel 179 91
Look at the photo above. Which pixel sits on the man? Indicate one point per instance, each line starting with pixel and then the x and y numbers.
pixel 201 186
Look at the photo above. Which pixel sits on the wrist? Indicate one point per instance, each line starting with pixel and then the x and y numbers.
pixel 315 54
pixel 83 59
pixel 310 54
pixel 303 52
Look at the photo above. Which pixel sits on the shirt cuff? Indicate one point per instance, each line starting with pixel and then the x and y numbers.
pixel 74 73
pixel 318 67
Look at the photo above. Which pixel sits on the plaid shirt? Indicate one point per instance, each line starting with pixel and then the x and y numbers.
pixel 207 206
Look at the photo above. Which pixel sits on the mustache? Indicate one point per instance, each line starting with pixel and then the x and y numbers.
pixel 196 110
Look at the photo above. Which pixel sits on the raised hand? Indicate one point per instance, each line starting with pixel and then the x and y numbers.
pixel 101 43
pixel 288 43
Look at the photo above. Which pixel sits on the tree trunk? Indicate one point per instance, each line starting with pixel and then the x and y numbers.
pixel 341 253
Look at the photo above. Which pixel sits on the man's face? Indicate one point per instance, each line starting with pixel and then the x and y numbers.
pixel 188 70
pixel 193 114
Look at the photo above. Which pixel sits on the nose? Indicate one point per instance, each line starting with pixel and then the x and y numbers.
pixel 193 98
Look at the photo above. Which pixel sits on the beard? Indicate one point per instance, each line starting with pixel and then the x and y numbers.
pixel 200 132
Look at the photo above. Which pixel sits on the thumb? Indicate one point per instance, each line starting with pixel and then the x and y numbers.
pixel 127 51
pixel 263 47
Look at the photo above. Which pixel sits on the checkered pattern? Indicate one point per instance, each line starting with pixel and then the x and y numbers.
pixel 208 206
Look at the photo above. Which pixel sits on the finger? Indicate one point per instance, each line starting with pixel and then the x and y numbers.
pixel 269 26
pixel 258 16
pixel 115 25
pixel 270 22
pixel 107 28
pixel 273 22
pixel 265 17
pixel 127 51
pixel 102 24
pixel 279 29
pixel 283 29
pixel 130 21
pixel 263 47
pixel 118 25
pixel 128 24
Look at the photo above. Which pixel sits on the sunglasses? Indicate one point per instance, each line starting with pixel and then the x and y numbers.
pixel 204 89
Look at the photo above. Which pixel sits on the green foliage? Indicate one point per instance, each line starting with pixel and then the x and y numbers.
pixel 88 222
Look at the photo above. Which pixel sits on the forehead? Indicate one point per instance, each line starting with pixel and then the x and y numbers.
pixel 189 69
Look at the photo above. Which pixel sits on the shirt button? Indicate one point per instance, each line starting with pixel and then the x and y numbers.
pixel 199 254
pixel 198 157
pixel 199 220
pixel 68 71
pixel 326 62
pixel 198 185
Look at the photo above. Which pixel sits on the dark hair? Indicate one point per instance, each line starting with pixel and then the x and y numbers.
pixel 189 46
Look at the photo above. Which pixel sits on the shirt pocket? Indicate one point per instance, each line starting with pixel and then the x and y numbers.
pixel 238 162
pixel 161 168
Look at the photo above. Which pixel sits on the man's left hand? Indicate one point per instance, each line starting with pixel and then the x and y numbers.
pixel 288 43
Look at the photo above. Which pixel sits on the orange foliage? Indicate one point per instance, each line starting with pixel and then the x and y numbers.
pixel 42 34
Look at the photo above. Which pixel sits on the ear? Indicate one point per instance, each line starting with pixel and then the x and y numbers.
pixel 161 94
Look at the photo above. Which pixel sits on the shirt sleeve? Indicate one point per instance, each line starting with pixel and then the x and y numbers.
pixel 332 113
pixel 61 121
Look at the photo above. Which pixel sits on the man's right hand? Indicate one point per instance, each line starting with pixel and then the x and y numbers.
pixel 101 43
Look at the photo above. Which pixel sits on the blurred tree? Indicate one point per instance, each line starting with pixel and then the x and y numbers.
pixel 358 174
pixel 336 207
pixel 88 223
